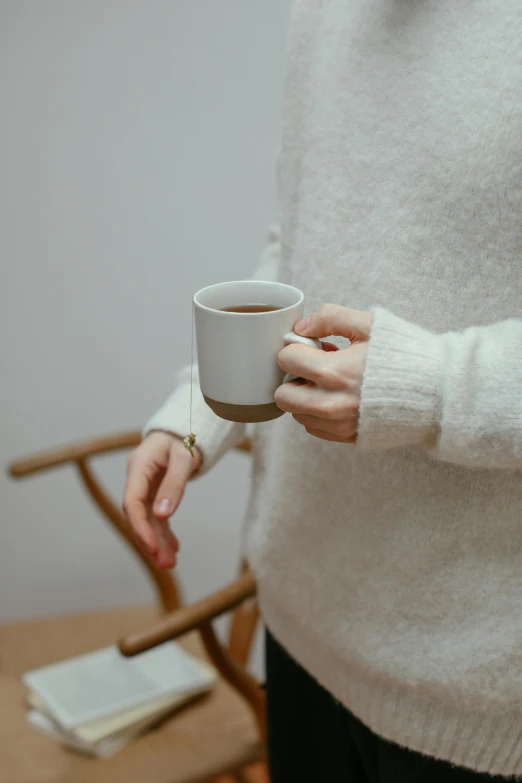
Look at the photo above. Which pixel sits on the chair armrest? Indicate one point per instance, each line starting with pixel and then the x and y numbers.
pixel 189 618
pixel 80 451
pixel 73 453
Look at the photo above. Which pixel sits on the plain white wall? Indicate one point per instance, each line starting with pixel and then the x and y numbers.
pixel 137 148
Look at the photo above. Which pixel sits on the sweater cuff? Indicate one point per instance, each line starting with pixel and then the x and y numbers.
pixel 401 391
pixel 215 436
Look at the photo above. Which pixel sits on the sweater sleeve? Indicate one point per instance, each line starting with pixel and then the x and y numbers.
pixel 459 394
pixel 215 436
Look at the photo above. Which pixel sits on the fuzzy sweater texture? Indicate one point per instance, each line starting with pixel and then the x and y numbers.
pixel 392 570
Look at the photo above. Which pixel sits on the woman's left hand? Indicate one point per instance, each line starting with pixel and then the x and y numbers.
pixel 326 402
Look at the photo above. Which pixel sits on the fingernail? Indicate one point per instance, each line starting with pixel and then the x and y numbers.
pixel 302 325
pixel 163 506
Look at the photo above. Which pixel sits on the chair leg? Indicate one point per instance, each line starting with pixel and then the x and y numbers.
pixel 232 777
pixel 256 774
pixel 241 777
pixel 235 777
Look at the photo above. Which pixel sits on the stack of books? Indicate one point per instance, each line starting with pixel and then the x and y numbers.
pixel 97 703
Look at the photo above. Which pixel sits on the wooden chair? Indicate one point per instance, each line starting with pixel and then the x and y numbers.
pixel 220 733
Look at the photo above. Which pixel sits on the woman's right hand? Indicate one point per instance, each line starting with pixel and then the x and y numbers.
pixel 157 474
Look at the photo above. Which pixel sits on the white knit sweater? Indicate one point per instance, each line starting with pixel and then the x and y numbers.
pixel 393 570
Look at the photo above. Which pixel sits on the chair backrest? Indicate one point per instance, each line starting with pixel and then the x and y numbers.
pixel 243 620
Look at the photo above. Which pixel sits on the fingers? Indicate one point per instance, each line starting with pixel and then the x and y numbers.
pixel 308 400
pixel 135 503
pixel 329 347
pixel 166 495
pixel 157 475
pixel 336 320
pixel 168 544
pixel 170 492
pixel 327 402
pixel 305 362
pixel 334 438
pixel 344 429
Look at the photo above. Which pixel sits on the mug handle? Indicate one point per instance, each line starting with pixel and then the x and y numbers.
pixel 296 339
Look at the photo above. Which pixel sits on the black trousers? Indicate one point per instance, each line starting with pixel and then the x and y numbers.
pixel 314 739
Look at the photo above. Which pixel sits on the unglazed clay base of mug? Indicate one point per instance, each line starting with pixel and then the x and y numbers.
pixel 246 414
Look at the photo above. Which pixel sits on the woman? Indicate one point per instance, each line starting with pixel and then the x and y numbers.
pixel 389 571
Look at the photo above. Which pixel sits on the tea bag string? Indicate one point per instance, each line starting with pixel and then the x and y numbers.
pixel 190 440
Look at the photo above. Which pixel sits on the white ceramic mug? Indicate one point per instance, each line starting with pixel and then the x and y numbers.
pixel 237 352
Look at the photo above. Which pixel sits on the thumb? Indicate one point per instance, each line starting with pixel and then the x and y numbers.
pixel 170 492
pixel 335 320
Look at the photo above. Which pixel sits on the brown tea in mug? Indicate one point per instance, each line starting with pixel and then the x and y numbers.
pixel 251 308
